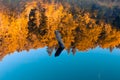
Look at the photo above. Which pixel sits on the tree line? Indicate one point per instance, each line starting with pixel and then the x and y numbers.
pixel 34 27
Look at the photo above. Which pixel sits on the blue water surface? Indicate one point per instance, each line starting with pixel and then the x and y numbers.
pixel 96 64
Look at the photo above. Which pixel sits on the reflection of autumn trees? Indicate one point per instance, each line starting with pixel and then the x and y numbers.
pixel 34 28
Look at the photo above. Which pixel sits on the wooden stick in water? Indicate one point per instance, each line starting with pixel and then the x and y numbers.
pixel 60 42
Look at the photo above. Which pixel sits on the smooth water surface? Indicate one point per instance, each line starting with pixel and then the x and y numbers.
pixel 97 64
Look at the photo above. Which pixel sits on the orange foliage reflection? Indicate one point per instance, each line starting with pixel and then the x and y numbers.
pixel 32 23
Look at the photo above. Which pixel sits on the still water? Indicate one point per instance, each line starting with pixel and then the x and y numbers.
pixel 96 64
pixel 30 24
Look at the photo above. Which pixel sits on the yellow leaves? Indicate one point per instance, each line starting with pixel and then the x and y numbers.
pixel 54 13
pixel 13 31
pixel 112 39
pixel 29 6
pixel 38 18
pixel 108 28
pixel 87 18
pixel 77 28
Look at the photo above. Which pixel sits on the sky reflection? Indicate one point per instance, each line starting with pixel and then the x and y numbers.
pixel 97 64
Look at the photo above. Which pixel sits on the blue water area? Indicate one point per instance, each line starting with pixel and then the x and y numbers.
pixel 96 64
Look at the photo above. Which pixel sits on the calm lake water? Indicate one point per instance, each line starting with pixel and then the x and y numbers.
pixel 96 64
pixel 83 25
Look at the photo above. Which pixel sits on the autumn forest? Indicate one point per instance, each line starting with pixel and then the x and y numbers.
pixel 30 24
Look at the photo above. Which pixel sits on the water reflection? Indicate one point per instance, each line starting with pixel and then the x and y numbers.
pixel 97 64
pixel 27 32
pixel 31 26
